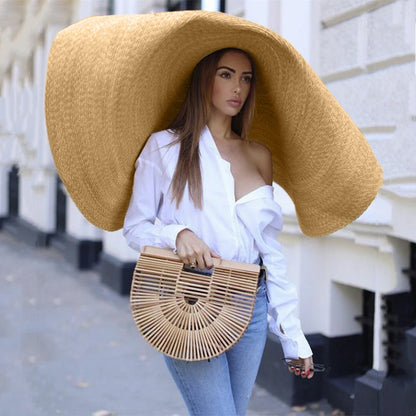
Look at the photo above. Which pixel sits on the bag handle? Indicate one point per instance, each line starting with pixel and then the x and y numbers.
pixel 229 264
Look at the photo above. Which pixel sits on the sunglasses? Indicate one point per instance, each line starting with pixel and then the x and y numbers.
pixel 292 362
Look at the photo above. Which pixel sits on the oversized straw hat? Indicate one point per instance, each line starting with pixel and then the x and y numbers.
pixel 113 80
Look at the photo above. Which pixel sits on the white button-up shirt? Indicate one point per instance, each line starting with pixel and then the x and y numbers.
pixel 241 230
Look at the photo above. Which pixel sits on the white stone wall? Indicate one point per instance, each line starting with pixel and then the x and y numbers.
pixel 24 46
pixel 368 62
pixel 138 6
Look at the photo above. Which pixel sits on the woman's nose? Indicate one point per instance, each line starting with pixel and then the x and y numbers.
pixel 237 89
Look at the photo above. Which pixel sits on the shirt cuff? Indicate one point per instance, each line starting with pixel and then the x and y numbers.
pixel 295 348
pixel 170 232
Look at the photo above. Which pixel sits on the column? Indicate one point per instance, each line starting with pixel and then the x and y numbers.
pixel 266 13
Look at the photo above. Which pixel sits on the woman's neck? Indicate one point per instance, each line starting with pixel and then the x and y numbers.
pixel 220 127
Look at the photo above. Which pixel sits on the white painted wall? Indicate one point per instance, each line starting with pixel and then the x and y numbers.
pixel 77 226
pixel 37 198
pixel 23 135
pixel 368 61
pixel 115 245
pixel 210 5
pixel 235 7
pixel 85 8
pixel 345 303
pixel 301 31
pixel 330 273
pixel 264 12
pixel 138 6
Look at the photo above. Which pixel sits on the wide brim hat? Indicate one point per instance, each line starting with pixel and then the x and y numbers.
pixel 113 80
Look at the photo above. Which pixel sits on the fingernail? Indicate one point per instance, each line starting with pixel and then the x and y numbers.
pixel 297 371
pixel 291 368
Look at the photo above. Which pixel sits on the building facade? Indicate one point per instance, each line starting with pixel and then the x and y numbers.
pixel 357 287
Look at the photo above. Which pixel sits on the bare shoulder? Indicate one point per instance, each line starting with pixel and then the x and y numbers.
pixel 262 156
pixel 259 150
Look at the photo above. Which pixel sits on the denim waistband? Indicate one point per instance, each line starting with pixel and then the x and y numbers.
pixel 259 261
pixel 262 273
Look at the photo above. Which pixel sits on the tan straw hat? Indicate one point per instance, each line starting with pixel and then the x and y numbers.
pixel 113 80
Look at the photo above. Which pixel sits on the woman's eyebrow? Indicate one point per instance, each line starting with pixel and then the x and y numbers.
pixel 233 70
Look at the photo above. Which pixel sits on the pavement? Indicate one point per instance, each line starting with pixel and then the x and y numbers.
pixel 69 347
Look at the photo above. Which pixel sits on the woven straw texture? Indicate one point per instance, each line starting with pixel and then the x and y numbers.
pixel 113 80
pixel 187 315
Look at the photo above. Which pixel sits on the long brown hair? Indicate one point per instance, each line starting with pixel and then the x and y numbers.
pixel 192 118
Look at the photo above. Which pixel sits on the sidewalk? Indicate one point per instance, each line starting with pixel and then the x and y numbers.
pixel 69 346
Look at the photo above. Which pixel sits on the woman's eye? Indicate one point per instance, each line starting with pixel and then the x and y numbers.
pixel 247 80
pixel 225 75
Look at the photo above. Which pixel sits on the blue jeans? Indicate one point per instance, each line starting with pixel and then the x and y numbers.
pixel 222 385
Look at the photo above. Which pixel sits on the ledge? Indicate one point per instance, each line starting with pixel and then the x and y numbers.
pixel 27 232
pixel 83 254
pixel 391 214
pixel 116 274
pixel 352 12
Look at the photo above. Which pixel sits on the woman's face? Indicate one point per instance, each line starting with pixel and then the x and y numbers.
pixel 231 83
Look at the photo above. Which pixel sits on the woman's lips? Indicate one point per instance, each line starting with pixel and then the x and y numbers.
pixel 234 103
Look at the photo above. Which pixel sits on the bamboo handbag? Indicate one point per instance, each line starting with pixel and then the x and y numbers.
pixel 189 315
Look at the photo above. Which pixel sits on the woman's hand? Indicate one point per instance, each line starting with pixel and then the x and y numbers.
pixel 193 251
pixel 302 367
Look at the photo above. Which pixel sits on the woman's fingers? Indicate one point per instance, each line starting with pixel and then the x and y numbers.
pixel 302 367
pixel 200 260
pixel 193 251
pixel 209 255
pixel 308 364
pixel 206 262
pixel 294 366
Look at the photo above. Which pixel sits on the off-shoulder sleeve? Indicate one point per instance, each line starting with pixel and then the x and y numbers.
pixel 263 219
pixel 141 226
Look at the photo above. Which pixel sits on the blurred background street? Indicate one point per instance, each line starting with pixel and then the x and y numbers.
pixel 69 346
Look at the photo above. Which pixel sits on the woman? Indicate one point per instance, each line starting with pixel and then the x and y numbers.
pixel 204 190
